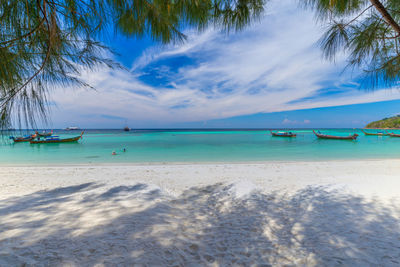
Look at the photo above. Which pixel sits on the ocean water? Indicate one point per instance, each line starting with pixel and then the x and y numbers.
pixel 156 146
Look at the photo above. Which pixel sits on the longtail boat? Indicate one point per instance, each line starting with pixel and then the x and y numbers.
pixel 19 139
pixel 325 136
pixel 44 134
pixel 283 134
pixel 393 134
pixel 376 134
pixel 56 139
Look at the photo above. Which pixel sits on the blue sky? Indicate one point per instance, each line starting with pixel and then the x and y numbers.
pixel 269 75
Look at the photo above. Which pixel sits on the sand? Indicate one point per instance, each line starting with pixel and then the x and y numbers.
pixel 262 214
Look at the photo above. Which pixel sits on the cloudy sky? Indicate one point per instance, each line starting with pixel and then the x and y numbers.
pixel 269 75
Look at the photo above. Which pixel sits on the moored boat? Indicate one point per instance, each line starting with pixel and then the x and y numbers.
pixel 283 134
pixel 19 139
pixel 44 134
pixel 56 139
pixel 325 136
pixel 127 129
pixel 71 128
pixel 393 134
pixel 376 134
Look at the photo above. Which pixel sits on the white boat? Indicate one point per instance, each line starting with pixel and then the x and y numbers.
pixel 72 128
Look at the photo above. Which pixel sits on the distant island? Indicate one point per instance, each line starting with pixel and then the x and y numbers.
pixel 392 122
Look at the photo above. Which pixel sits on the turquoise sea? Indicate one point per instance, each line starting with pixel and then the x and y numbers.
pixel 145 146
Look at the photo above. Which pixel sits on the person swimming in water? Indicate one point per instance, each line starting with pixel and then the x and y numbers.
pixel 114 153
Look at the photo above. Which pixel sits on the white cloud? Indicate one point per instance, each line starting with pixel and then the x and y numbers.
pixel 265 68
pixel 287 121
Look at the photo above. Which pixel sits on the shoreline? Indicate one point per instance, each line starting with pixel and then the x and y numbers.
pixel 164 163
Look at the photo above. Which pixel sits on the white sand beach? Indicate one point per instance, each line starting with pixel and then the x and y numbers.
pixel 337 213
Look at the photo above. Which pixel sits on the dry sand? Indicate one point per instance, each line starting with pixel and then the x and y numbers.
pixel 279 214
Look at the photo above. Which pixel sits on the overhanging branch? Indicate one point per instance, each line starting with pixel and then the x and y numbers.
pixel 386 16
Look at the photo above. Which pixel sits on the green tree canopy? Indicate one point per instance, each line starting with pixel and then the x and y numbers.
pixel 46 43
pixel 367 31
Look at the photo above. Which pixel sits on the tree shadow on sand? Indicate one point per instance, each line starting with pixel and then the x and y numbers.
pixel 90 224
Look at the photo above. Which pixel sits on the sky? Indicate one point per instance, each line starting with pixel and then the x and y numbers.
pixel 270 75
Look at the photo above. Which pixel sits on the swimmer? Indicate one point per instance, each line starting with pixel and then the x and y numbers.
pixel 124 149
pixel 113 153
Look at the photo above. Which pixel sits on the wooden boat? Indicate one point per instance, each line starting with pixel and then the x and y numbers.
pixel 393 134
pixel 283 134
pixel 44 134
pixel 56 140
pixel 23 138
pixel 376 134
pixel 325 136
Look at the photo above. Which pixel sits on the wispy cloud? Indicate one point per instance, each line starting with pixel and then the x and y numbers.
pixel 272 66
pixel 287 121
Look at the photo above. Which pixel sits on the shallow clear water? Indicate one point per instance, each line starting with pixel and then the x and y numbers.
pixel 198 146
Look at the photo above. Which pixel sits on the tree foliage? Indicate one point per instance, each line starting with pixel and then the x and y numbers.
pixel 367 31
pixel 46 43
pixel 393 122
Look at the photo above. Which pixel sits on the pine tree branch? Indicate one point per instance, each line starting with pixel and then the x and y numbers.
pixel 15 92
pixel 386 16
pixel 359 15
pixel 25 35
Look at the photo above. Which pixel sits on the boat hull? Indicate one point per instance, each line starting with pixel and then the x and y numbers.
pixel 393 134
pixel 44 134
pixel 374 134
pixel 22 140
pixel 282 135
pixel 65 140
pixel 325 136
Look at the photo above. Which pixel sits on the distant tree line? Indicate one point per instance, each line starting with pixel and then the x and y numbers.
pixel 392 122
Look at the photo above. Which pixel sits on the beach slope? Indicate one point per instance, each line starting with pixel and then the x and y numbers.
pixel 300 213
